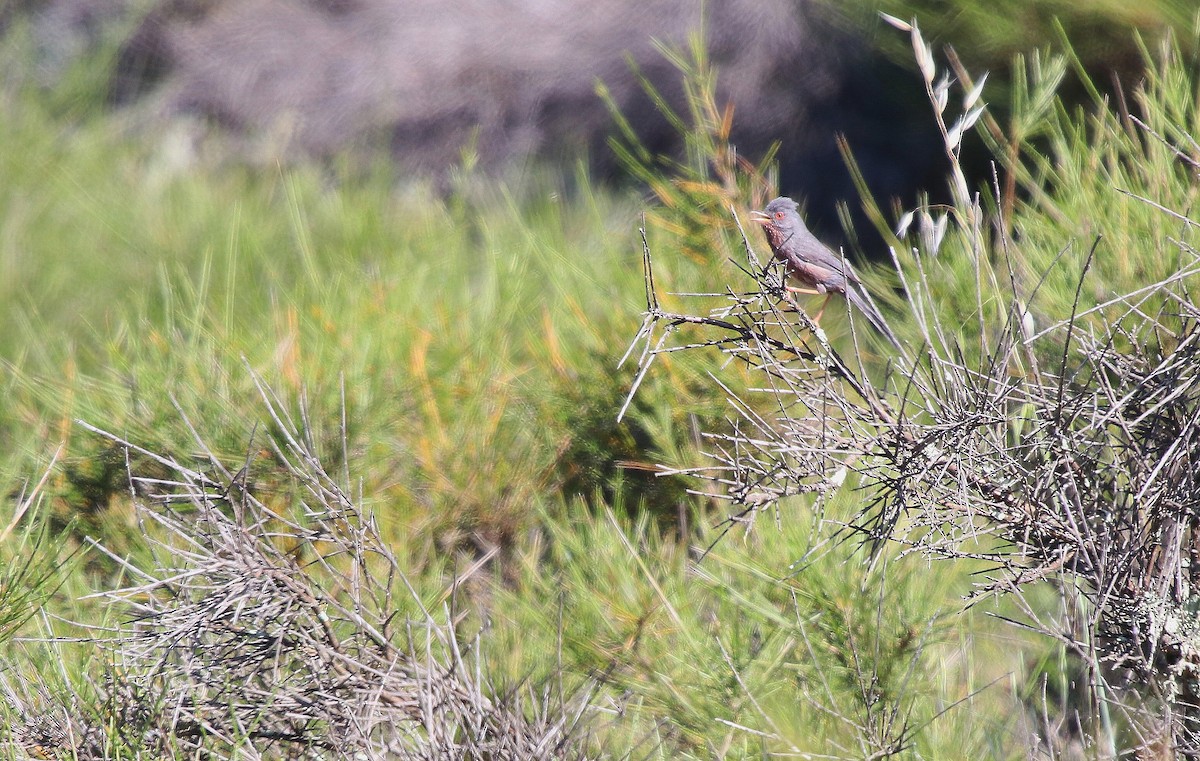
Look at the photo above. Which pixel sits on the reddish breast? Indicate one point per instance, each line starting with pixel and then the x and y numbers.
pixel 774 237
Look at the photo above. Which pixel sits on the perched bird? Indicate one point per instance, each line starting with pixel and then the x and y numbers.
pixel 813 263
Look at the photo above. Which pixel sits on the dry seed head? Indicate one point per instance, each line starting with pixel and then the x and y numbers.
pixel 975 92
pixel 942 93
pixel 924 56
pixel 964 123
pixel 903 26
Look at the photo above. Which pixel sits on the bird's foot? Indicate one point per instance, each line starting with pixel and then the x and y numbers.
pixel 819 333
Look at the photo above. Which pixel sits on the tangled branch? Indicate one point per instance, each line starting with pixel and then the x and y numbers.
pixel 265 629
pixel 1070 455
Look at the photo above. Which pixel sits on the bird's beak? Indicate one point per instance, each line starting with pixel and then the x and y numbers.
pixel 761 217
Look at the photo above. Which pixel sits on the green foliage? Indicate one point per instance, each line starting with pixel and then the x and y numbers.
pixel 459 337
pixel 1081 204
pixel 1102 177
pixel 31 566
pixel 774 643
pixel 695 192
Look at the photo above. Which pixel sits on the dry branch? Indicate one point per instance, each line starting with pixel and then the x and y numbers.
pixel 275 629
pixel 1071 456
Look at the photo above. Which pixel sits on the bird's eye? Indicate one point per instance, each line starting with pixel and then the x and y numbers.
pixel 779 215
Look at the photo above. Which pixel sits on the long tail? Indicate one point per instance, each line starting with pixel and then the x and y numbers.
pixel 860 298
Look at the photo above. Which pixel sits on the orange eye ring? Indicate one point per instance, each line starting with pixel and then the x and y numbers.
pixel 779 215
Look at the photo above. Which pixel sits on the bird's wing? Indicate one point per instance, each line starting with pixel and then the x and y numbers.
pixel 816 263
pixel 816 252
pixel 824 279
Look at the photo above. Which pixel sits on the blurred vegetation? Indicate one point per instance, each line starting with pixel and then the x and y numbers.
pixel 456 357
pixel 988 35
pixel 455 333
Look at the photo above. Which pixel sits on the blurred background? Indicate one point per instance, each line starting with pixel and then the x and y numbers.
pixel 266 81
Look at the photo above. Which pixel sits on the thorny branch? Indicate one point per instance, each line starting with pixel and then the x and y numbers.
pixel 1086 474
pixel 263 630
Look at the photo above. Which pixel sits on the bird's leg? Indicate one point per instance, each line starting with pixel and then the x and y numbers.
pixel 821 311
pixel 805 291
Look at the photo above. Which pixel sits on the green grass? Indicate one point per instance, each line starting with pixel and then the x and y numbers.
pixel 775 632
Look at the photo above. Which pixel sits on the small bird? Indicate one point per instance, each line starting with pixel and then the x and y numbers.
pixel 814 264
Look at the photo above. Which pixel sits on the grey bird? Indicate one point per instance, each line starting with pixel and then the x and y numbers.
pixel 814 264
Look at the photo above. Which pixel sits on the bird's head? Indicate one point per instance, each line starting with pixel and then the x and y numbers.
pixel 781 218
